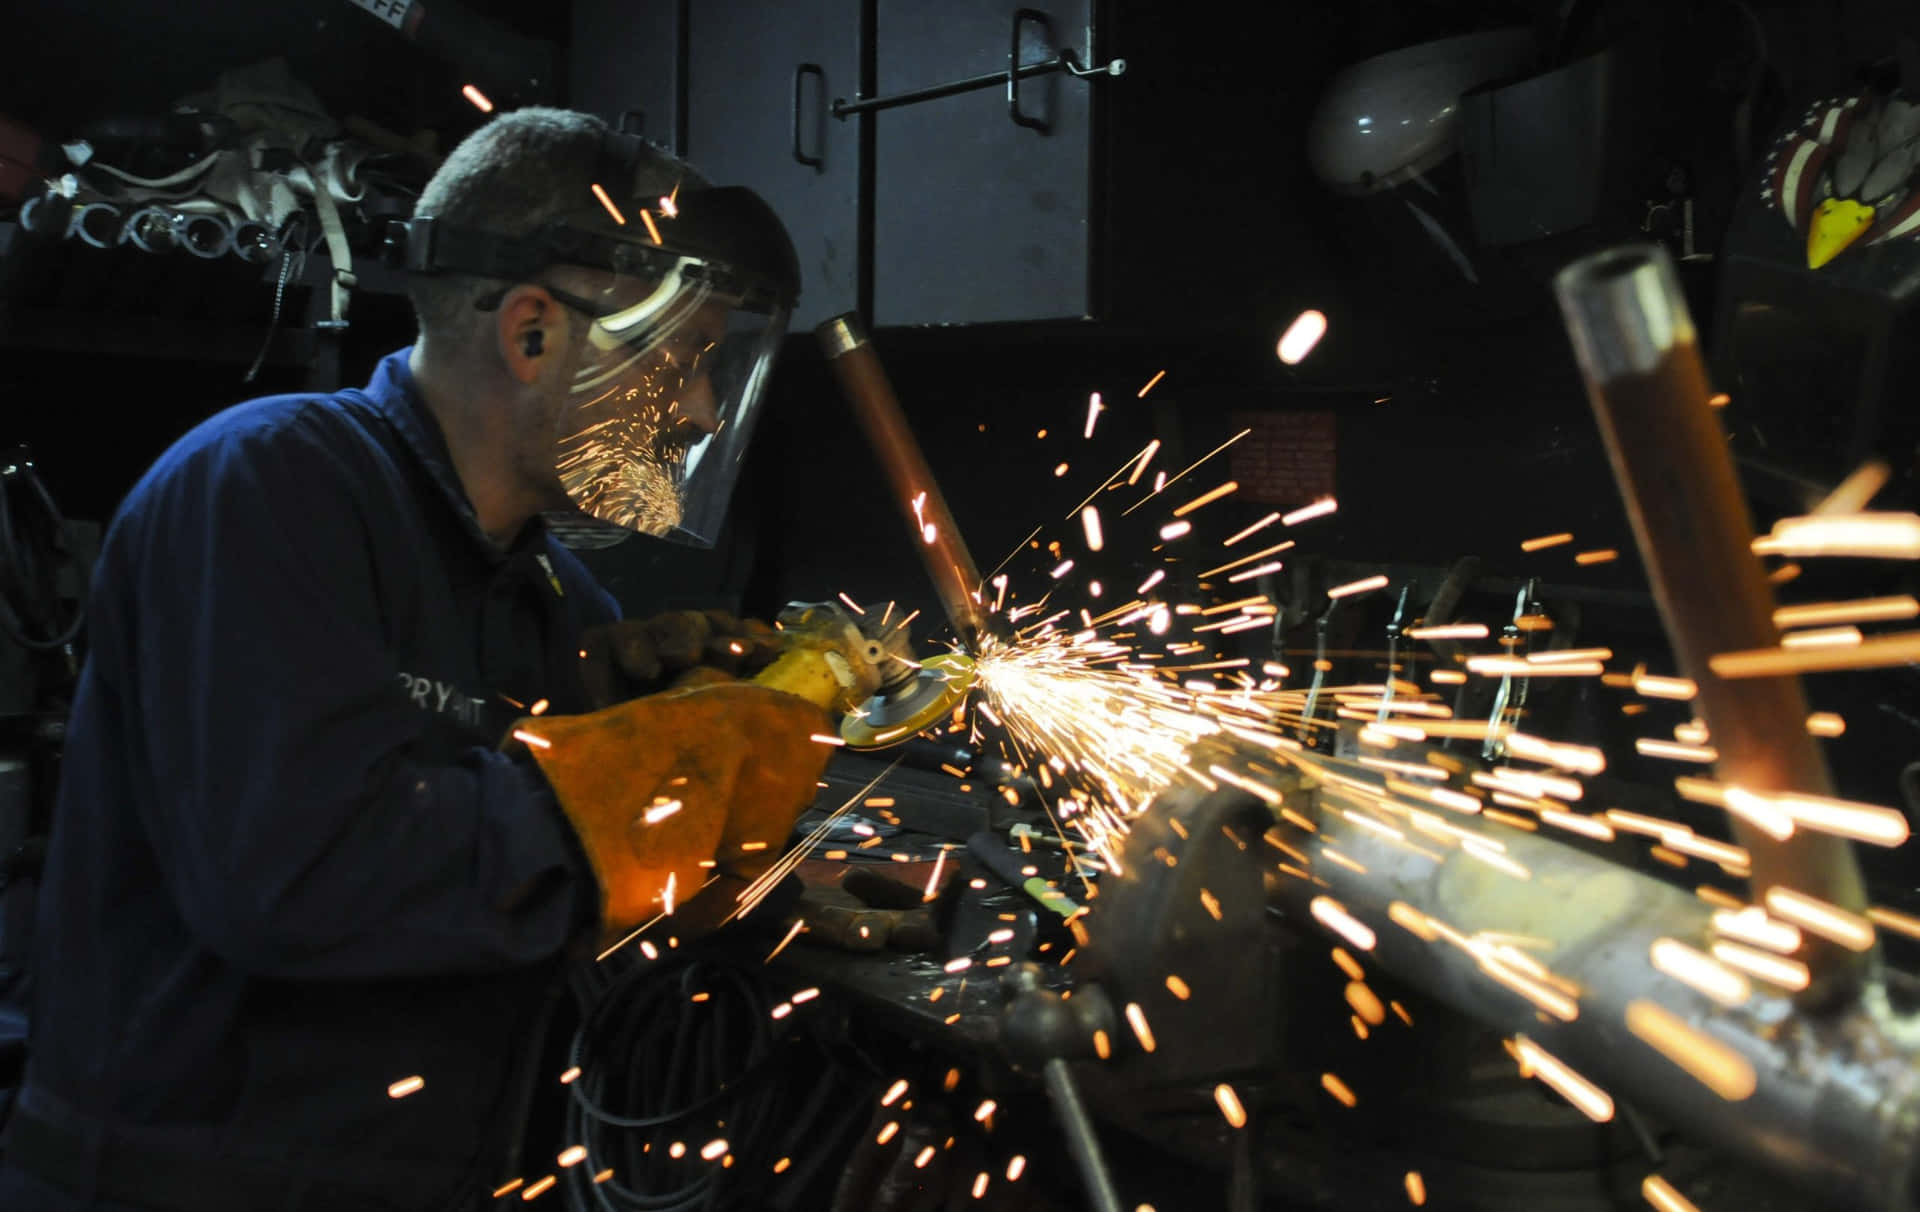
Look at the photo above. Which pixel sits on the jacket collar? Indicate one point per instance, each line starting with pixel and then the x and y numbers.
pixel 395 393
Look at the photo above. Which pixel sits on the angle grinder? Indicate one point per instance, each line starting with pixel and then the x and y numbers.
pixel 865 669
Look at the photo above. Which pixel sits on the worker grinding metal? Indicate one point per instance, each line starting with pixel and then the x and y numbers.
pixel 305 900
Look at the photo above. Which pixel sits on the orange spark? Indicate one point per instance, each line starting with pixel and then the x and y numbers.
pixel 1207 498
pixel 1882 535
pixel 1700 972
pixel 1826 723
pixel 1366 1003
pixel 1858 610
pixel 1363 585
pixel 1229 1103
pixel 1815 916
pixel 1787 973
pixel 1822 637
pixel 1545 541
pixel 1143 458
pixel 1320 508
pixel 1449 631
pixel 1137 1019
pixel 1334 916
pixel 1708 1061
pixel 1592 1101
pixel 1276 549
pixel 1675 750
pixel 1334 1086
pixel 1894 920
pixel 1301 336
pixel 1269 520
pixel 1894 648
pixel 1090 523
pixel 1652 687
pixel 612 209
pixel 1656 1190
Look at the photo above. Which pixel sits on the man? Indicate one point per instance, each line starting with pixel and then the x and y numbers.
pixel 301 912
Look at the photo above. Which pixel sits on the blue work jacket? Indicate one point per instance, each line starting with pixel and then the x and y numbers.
pixel 290 869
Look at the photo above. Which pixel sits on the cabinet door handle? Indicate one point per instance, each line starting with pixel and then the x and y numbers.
pixel 1021 18
pixel 800 73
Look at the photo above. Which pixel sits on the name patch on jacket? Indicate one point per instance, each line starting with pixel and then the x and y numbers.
pixel 442 698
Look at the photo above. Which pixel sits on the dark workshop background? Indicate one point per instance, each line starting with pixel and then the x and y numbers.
pixel 1461 426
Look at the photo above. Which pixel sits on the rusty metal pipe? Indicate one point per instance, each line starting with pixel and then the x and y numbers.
pixel 1635 344
pixel 956 579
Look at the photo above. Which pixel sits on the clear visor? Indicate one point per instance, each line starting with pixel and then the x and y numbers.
pixel 663 402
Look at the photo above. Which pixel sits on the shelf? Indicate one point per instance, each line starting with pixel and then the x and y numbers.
pixel 164 337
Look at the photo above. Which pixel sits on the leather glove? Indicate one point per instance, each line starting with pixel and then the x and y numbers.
pixel 636 657
pixel 735 758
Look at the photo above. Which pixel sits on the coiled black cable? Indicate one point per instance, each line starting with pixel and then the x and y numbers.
pixel 660 1069
pixel 31 551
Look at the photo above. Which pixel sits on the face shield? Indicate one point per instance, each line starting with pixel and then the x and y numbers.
pixel 685 322
pixel 664 400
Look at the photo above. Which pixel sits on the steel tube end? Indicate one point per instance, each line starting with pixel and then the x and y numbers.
pixel 204 235
pixel 99 224
pixel 841 335
pixel 1624 309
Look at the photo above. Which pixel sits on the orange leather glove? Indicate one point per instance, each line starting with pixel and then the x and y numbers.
pixel 658 785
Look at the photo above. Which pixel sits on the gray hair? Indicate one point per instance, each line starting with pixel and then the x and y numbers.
pixel 517 173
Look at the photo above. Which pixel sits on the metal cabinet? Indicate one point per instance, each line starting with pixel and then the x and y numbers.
pixel 624 59
pixel 953 210
pixel 977 217
pixel 760 78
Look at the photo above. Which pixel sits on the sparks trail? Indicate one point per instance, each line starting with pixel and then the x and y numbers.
pixel 1108 714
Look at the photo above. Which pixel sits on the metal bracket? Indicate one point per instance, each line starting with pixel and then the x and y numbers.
pixel 1064 60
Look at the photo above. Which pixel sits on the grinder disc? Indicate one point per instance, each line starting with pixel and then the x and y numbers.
pixel 890 718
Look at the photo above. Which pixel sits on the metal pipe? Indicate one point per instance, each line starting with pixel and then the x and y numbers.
pixel 956 579
pixel 1082 1141
pixel 1834 1100
pixel 1635 344
pixel 254 242
pixel 206 236
pixel 48 214
pixel 152 230
pixel 98 224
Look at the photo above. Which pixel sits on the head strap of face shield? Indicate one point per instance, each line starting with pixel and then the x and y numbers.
pixel 724 236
